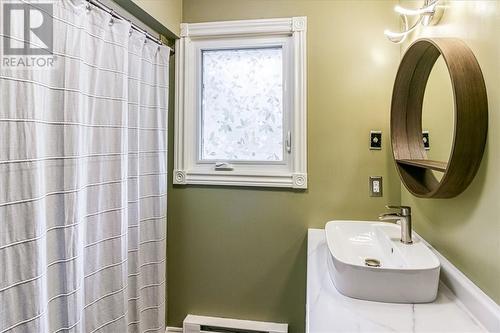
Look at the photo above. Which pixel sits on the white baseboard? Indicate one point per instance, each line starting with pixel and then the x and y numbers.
pixel 173 329
pixel 472 297
pixel 195 324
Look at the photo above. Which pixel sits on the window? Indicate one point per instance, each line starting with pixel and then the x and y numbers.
pixel 241 104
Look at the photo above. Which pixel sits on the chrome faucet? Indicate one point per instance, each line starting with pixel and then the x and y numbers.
pixel 404 216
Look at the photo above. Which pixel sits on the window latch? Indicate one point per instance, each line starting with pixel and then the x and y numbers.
pixel 223 166
pixel 289 142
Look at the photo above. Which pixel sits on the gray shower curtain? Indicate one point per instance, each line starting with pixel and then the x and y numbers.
pixel 83 180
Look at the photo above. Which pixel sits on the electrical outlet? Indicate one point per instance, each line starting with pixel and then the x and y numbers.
pixel 375 140
pixel 376 188
pixel 425 138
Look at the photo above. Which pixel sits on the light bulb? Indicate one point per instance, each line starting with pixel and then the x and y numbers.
pixel 415 12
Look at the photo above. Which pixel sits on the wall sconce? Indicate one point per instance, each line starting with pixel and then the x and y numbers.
pixel 430 13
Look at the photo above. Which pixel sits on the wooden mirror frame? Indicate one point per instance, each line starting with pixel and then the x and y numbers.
pixel 470 118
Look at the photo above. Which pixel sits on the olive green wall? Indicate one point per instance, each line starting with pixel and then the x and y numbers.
pixel 437 112
pixel 241 252
pixel 167 12
pixel 466 229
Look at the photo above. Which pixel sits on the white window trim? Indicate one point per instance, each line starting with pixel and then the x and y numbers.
pixel 186 170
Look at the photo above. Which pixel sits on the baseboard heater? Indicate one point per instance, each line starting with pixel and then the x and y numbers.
pixel 202 324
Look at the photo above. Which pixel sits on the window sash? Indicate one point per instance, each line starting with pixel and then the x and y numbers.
pixel 246 43
pixel 284 110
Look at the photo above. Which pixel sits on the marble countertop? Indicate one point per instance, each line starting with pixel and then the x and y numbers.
pixel 328 311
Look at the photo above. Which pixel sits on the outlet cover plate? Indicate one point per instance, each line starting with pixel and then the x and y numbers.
pixel 376 186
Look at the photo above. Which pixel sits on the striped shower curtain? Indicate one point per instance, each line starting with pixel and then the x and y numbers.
pixel 83 179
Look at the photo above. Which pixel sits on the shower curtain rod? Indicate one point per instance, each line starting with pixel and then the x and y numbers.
pixel 114 14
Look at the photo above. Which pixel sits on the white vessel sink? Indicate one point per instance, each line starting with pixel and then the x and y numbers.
pixel 407 273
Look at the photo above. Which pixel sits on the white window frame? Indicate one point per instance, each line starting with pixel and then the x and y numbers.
pixel 290 34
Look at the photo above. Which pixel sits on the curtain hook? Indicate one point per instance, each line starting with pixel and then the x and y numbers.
pixel 88 7
pixel 111 20
pixel 131 28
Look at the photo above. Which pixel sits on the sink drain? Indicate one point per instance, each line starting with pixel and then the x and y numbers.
pixel 370 262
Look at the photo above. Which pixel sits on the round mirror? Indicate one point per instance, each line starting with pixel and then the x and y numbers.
pixel 438 115
pixel 445 73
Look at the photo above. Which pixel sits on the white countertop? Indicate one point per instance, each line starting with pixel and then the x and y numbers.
pixel 328 311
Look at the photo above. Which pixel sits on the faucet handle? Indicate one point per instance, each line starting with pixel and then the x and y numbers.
pixel 405 210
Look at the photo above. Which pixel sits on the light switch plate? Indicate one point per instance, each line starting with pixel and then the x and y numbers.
pixel 375 140
pixel 376 186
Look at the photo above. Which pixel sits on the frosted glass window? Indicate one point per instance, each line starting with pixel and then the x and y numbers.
pixel 242 105
pixel 241 116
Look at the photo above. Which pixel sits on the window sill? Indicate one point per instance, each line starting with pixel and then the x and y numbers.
pixel 230 178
